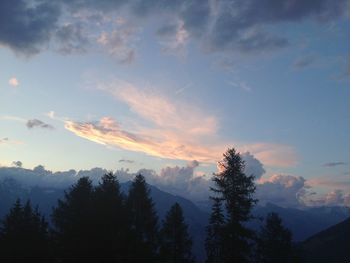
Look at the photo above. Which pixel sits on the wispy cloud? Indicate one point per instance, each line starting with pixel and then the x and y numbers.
pixel 171 129
pixel 167 145
pixel 333 164
pixel 162 111
pixel 126 161
pixel 241 85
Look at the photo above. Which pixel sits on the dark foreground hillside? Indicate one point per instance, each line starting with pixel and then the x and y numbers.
pixel 330 245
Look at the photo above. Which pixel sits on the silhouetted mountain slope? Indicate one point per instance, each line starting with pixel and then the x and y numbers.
pixel 330 245
pixel 307 222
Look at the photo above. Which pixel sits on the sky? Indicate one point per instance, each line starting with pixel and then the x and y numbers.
pixel 169 86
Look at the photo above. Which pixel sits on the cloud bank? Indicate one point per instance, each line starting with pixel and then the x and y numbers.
pixel 190 182
pixel 224 25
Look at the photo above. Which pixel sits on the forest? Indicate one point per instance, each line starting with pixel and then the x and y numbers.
pixel 102 224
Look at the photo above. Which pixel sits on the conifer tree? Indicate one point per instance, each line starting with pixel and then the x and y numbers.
pixel 74 224
pixel 275 241
pixel 213 242
pixel 24 235
pixel 236 190
pixel 175 243
pixel 143 219
pixel 114 237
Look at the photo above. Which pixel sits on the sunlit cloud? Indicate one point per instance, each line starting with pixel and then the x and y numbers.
pixel 13 82
pixel 108 132
pixel 162 111
pixel 171 129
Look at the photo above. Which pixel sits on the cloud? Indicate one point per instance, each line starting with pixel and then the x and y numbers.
pixel 163 111
pixel 39 176
pixel 283 190
pixel 71 38
pixel 120 42
pixel 25 27
pixel 126 161
pixel 252 165
pixel 170 129
pixel 4 140
pixel 13 82
pixel 224 25
pixel 174 38
pixel 35 123
pixel 108 132
pixel 333 198
pixel 241 85
pixel 333 164
pixel 17 164
pixel 303 62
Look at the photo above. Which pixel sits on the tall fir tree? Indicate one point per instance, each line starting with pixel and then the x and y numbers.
pixel 74 224
pixel 274 242
pixel 213 242
pixel 143 220
pixel 24 235
pixel 175 242
pixel 236 190
pixel 111 221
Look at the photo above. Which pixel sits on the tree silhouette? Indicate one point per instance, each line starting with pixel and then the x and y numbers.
pixel 74 228
pixel 143 219
pixel 275 241
pixel 213 242
pixel 111 221
pixel 236 189
pixel 175 243
pixel 24 235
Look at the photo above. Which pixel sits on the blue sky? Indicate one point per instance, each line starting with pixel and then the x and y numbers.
pixel 163 83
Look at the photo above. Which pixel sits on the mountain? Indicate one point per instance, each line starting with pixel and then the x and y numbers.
pixel 304 222
pixel 330 245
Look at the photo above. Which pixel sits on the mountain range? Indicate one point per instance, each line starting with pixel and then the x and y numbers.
pixel 303 223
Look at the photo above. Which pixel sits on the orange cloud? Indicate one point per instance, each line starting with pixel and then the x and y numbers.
pixel 173 130
pixel 108 132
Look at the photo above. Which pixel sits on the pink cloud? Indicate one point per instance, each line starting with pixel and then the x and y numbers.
pixel 171 129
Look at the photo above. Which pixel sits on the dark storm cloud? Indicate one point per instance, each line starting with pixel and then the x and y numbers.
pixel 26 27
pixel 35 123
pixel 243 25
